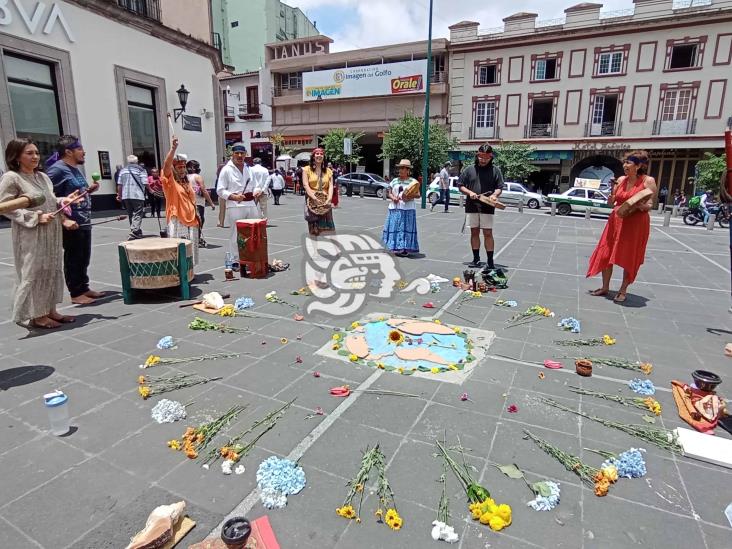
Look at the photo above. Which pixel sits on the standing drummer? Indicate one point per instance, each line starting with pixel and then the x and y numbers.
pixel 483 178
pixel 237 187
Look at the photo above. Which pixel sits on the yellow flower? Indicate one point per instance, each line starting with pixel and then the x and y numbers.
pixel 504 511
pixel 607 340
pixel 391 514
pixel 379 513
pixel 358 520
pixel 486 517
pixel 174 444
pixel 453 367
pixel 335 347
pixel 140 380
pixel 610 473
pixel 152 360
pixel 144 391
pixel 477 294
pixel 346 511
pixel 382 318
pixel 437 321
pixel 396 524
pixel 400 370
pixel 497 523
pixel 354 325
pixel 283 340
pixel 396 337
pixel 227 310
pixel 337 337
pixel 353 358
pixel 646 367
pixel 380 365
pixel 435 370
pixel 457 329
pixel 359 487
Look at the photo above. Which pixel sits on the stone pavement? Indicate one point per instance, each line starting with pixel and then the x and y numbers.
pixel 94 488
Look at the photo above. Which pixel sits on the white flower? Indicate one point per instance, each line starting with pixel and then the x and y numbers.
pixel 270 295
pixel 442 531
pixel 436 531
pixel 226 466
pixel 239 469
pixel 205 466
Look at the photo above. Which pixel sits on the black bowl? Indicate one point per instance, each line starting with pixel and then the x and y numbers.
pixel 706 381
pixel 236 531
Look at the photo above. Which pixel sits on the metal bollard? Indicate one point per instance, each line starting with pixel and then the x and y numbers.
pixel 554 208
pixel 660 208
pixel 587 214
pixel 521 206
pixel 385 193
pixel 710 223
pixel 360 191
pixel 675 211
pixel 666 218
pixel 462 200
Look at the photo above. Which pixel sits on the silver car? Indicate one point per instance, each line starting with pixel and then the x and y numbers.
pixel 372 183
pixel 514 193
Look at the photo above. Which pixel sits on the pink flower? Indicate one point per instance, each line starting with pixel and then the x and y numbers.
pixel 464 397
pixel 316 374
pixel 319 411
pixel 429 305
pixel 512 409
pixel 298 359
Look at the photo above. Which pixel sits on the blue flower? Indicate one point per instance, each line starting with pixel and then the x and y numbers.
pixel 242 303
pixel 166 343
pixel 630 464
pixel 546 503
pixel 277 478
pixel 571 324
pixel 643 387
pixel 435 287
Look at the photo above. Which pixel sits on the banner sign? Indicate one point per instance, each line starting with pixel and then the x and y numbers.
pixel 388 79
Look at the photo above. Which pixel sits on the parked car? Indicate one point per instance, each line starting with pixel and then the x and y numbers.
pixel 373 184
pixel 578 199
pixel 433 191
pixel 513 193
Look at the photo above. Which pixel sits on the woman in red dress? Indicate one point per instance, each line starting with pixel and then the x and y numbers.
pixel 624 240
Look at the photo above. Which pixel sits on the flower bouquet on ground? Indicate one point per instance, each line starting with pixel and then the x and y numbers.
pixel 235 447
pixel 532 314
pixel 546 492
pixel 646 404
pixel 591 342
pixel 272 297
pixel 205 325
pixel 149 386
pixel 641 367
pixel 154 360
pixel 662 438
pixel 195 439
pixel 482 507
pixel 440 529
pixel 468 295
pixel 598 479
pixel 630 464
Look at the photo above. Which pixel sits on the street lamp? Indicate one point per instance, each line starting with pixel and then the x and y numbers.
pixel 183 100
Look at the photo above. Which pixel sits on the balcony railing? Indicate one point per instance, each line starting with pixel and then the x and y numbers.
pixel 145 8
pixel 602 129
pixel 540 130
pixel 278 91
pixel 229 112
pixel 438 77
pixel 487 132
pixel 248 112
pixel 674 127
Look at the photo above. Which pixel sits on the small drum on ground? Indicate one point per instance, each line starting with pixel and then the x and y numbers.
pixel 154 263
pixel 252 243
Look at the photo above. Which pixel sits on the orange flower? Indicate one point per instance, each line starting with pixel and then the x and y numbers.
pixel 602 487
pixel 224 450
pixel 191 453
pixel 141 380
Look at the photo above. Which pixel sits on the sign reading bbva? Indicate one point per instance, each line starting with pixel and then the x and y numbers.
pixel 49 20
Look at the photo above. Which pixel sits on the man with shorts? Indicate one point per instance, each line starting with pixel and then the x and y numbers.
pixel 483 178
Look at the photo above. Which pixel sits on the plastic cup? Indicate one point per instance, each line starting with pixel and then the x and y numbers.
pixel 57 406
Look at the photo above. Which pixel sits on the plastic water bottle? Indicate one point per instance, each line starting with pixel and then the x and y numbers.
pixel 229 261
pixel 58 412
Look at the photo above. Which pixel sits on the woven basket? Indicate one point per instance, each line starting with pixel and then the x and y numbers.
pixel 583 367
pixel 321 206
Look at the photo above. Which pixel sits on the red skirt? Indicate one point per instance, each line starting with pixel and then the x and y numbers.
pixel 623 243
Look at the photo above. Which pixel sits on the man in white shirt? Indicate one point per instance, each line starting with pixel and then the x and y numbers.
pixel 237 188
pixel 277 183
pixel 706 197
pixel 260 175
pixel 444 188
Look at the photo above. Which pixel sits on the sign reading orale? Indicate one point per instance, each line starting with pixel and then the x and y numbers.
pixel 298 49
pixel 38 19
pixel 388 79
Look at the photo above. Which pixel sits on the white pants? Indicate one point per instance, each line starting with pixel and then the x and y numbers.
pixel 262 202
pixel 247 210
pixel 176 229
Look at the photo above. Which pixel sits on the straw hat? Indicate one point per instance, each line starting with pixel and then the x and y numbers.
pixel 404 163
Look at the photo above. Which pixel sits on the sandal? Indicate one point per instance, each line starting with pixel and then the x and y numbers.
pixel 45 323
pixel 63 319
pixel 620 297
pixel 598 292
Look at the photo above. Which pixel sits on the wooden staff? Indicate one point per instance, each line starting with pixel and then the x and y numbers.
pixel 22 202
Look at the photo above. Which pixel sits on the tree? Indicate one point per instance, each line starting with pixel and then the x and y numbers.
pixel 514 160
pixel 278 140
pixel 405 138
pixel 709 172
pixel 333 145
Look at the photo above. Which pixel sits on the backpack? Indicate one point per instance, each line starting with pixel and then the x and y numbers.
pixel 694 201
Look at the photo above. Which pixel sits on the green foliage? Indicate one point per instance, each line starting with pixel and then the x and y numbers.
pixel 709 172
pixel 333 145
pixel 514 160
pixel 405 140
pixel 278 140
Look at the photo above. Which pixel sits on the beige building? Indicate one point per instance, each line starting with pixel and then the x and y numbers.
pixel 585 89
pixel 362 90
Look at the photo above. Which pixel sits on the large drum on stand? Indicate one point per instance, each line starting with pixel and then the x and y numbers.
pixel 252 243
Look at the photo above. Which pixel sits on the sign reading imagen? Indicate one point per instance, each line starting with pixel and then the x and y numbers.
pixel 387 79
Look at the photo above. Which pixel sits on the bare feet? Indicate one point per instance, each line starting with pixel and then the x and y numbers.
pixel 44 322
pixel 95 295
pixel 82 300
pixel 599 292
pixel 58 317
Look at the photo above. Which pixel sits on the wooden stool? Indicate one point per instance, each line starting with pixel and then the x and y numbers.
pixel 154 263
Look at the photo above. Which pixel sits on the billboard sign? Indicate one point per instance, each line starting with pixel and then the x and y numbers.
pixel 401 78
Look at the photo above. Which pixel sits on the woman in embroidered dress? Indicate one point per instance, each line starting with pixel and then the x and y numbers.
pixel 624 240
pixel 400 229
pixel 318 183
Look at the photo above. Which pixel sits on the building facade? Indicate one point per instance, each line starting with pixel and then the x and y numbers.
pixel 367 90
pixel 247 117
pixel 107 72
pixel 242 29
pixel 585 89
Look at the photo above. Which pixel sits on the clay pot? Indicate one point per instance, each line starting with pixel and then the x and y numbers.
pixel 583 367
pixel 235 532
pixel 706 381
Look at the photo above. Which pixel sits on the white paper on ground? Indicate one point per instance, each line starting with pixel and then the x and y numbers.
pixel 709 448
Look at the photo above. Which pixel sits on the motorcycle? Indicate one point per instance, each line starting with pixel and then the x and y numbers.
pixel 695 215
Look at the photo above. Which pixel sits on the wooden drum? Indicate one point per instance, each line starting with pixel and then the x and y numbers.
pixel 153 263
pixel 252 243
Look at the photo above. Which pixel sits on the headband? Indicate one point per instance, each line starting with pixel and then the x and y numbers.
pixel 238 148
pixel 635 160
pixel 75 145
pixel 318 150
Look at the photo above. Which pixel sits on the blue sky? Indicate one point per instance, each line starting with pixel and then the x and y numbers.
pixel 355 24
